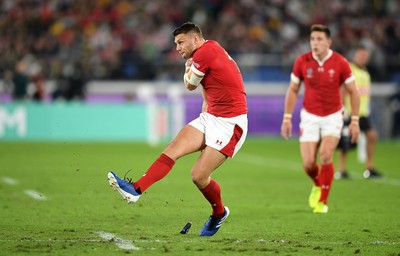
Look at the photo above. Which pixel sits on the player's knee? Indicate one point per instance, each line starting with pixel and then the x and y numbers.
pixel 309 165
pixel 172 151
pixel 325 157
pixel 372 136
pixel 199 179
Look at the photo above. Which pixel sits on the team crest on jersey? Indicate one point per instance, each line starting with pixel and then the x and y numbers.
pixel 331 73
pixel 309 73
pixel 196 64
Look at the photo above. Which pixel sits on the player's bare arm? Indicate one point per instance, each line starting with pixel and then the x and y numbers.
pixel 292 94
pixel 354 127
pixel 192 80
pixel 344 94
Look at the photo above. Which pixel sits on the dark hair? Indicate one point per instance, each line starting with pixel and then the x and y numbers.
pixel 186 28
pixel 361 47
pixel 321 28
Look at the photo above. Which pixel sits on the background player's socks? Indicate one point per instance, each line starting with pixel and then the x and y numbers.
pixel 158 170
pixel 325 179
pixel 313 174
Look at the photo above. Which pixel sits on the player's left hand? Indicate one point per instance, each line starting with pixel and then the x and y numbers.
pixel 354 130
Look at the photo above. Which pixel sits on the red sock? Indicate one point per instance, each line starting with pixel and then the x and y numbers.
pixel 158 170
pixel 326 178
pixel 313 174
pixel 212 192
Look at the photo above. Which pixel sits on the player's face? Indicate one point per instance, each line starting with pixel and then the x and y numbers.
pixel 320 43
pixel 361 57
pixel 185 45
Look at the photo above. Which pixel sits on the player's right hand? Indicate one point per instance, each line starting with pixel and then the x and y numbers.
pixel 286 129
pixel 188 63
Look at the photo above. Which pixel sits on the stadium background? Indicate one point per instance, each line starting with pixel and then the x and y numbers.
pixel 108 70
pixel 103 80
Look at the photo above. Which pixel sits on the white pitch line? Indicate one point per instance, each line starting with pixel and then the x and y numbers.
pixel 123 244
pixel 294 166
pixel 389 181
pixel 10 181
pixel 36 195
pixel 111 237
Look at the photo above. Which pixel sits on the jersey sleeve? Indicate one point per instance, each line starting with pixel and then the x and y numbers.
pixel 202 60
pixel 296 75
pixel 346 74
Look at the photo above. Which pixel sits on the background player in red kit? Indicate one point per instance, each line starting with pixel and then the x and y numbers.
pixel 323 71
pixel 218 132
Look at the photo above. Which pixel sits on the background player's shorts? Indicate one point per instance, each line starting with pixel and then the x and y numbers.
pixel 365 124
pixel 313 127
pixel 226 135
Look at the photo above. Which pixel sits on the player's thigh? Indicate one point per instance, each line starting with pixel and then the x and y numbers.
pixel 209 160
pixel 309 127
pixel 372 135
pixel 308 150
pixel 327 148
pixel 188 140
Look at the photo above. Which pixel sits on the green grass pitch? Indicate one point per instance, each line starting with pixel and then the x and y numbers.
pixel 71 210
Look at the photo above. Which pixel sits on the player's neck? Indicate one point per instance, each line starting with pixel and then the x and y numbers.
pixel 322 56
pixel 358 65
pixel 201 42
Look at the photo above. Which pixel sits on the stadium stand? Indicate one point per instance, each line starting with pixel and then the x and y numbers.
pixel 131 40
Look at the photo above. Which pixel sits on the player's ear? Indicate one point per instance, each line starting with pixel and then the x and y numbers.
pixel 196 38
pixel 329 42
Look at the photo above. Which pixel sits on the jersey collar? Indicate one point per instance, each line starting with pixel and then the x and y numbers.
pixel 321 62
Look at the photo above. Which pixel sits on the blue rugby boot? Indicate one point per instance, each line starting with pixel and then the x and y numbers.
pixel 213 224
pixel 124 187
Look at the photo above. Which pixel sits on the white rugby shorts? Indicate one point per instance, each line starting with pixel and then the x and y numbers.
pixel 226 135
pixel 313 127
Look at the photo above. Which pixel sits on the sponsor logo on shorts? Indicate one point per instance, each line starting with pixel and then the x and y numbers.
pixel 219 142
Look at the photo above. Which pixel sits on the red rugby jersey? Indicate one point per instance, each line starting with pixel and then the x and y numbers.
pixel 222 80
pixel 322 80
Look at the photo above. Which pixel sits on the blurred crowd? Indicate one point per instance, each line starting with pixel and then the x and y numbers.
pixel 71 41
